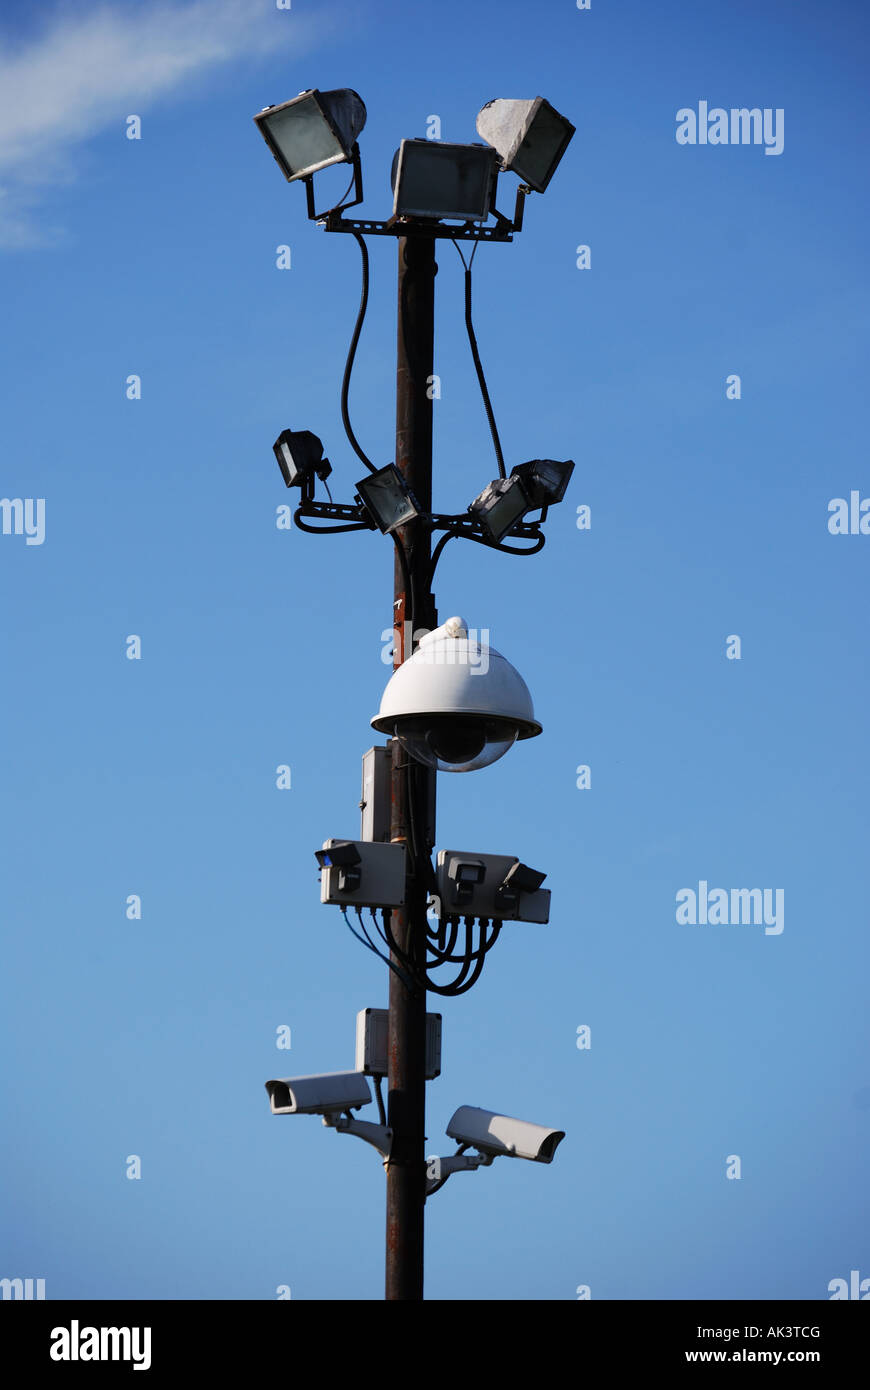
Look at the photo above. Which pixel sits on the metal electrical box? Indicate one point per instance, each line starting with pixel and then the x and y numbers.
pixel 377 767
pixel 362 874
pixel 478 885
pixel 372 1027
pixel 377 792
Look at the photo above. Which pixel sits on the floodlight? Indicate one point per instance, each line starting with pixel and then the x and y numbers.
pixel 299 454
pixel 544 480
pixel 456 704
pixel 313 130
pixel 387 498
pixel 518 880
pixel 500 506
pixel 338 855
pixel 345 858
pixel 431 179
pixel 530 137
pixel 522 879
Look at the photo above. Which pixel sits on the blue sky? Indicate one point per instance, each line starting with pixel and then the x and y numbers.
pixel 262 647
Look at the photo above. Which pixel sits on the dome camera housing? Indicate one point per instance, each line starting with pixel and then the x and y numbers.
pixel 456 704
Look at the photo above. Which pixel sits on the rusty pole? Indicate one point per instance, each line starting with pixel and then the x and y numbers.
pixel 413 791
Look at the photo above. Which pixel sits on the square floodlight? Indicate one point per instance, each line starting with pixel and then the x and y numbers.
pixel 387 498
pixel 500 506
pixel 313 130
pixel 339 855
pixel 530 136
pixel 522 879
pixel 299 454
pixel 544 480
pixel 431 179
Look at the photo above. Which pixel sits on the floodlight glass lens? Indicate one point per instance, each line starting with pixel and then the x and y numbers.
pixel 387 498
pixel 288 459
pixel 506 513
pixel 541 150
pixel 444 181
pixel 303 137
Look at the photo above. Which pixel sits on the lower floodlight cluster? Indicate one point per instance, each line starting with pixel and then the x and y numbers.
pixel 383 499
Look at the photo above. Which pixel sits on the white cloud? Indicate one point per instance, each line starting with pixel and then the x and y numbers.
pixel 88 70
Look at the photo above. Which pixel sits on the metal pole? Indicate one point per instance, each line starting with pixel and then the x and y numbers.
pixel 413 790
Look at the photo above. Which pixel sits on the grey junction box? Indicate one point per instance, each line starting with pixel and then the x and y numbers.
pixel 372 1028
pixel 377 767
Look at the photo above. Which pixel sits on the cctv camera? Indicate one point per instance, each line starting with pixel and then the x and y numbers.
pixel 456 704
pixel 325 1094
pixel 502 1135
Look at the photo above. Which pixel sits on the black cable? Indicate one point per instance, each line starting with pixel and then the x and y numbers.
pixel 382 1114
pixel 337 207
pixel 450 535
pixel 478 366
pixel 436 553
pixel 462 985
pixel 507 549
pixel 450 935
pixel 364 941
pixel 486 944
pixel 351 354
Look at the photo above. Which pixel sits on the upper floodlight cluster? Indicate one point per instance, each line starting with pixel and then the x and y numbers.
pixel 430 179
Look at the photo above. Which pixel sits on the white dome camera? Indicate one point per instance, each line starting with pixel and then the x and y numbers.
pixel 456 704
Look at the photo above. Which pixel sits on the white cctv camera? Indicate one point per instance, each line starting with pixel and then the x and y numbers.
pixel 456 704
pixel 500 1135
pixel 328 1093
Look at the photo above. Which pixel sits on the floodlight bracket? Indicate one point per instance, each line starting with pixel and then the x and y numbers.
pixel 343 516
pixel 520 206
pixel 379 1136
pixel 464 524
pixel 332 221
pixel 314 216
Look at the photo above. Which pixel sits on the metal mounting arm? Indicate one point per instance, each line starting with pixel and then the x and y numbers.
pixel 438 1170
pixel 379 1136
